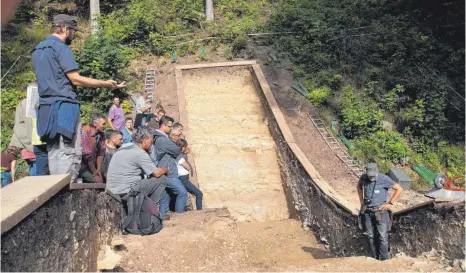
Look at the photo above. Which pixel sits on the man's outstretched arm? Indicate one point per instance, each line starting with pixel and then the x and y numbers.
pixel 78 80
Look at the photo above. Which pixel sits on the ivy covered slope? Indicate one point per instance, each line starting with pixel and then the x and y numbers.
pixel 392 72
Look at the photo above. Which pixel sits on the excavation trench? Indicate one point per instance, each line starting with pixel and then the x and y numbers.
pixel 235 155
pixel 261 195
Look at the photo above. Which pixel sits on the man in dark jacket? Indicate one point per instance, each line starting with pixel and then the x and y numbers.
pixel 164 153
pixel 57 75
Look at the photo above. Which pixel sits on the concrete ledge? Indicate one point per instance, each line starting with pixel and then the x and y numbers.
pixel 27 194
pixel 257 73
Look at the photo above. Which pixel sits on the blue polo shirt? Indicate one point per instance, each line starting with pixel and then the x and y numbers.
pixel 51 60
pixel 377 190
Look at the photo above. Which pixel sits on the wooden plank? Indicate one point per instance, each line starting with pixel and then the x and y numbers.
pixel 414 207
pixel 209 65
pixel 21 198
pixel 82 186
pixel 264 86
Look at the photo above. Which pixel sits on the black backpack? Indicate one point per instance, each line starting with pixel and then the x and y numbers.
pixel 143 216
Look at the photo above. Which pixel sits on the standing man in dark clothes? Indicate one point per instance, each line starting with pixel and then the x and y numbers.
pixel 57 74
pixel 116 115
pixel 373 194
pixel 93 149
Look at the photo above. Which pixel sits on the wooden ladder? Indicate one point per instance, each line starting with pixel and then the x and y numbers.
pixel 351 165
pixel 149 83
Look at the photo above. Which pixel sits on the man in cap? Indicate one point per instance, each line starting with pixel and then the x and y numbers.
pixel 57 74
pixel 373 194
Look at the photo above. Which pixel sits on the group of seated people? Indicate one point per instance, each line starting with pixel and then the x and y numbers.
pixel 152 159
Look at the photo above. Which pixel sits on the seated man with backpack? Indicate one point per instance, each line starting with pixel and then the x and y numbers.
pixel 126 178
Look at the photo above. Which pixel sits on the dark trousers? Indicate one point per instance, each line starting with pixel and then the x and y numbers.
pixel 139 120
pixel 377 233
pixel 42 159
pixel 153 187
pixel 193 190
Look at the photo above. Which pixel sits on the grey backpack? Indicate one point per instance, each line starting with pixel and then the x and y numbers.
pixel 143 215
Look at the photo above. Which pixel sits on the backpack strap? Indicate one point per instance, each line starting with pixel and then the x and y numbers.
pixel 139 200
pixel 130 199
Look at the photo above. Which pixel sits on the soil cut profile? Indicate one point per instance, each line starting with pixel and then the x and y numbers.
pixel 235 155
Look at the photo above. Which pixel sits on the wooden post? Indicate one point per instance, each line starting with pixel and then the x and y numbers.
pixel 95 11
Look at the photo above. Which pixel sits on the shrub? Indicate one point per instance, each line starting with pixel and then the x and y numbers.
pixel 318 95
pixel 127 107
pixel 452 157
pixel 388 147
pixel 360 117
pixel 238 44
pixel 101 58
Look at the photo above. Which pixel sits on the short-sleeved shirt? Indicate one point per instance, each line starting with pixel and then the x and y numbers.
pixel 127 167
pixel 109 152
pixel 6 160
pixel 141 103
pixel 181 170
pixel 93 144
pixel 117 116
pixel 379 194
pixel 51 60
pixel 127 137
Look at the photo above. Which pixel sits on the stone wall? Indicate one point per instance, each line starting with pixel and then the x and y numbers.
pixel 64 234
pixel 414 232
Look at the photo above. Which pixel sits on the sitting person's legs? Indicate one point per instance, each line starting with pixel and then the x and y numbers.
pixel 153 187
pixel 180 191
pixel 191 188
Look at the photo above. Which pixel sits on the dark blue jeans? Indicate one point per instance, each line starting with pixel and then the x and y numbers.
pixel 176 188
pixel 42 159
pixel 377 233
pixel 193 190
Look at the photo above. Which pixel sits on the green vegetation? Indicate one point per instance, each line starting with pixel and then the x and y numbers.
pixel 129 28
pixel 160 27
pixel 101 58
pixel 399 62
pixel 366 64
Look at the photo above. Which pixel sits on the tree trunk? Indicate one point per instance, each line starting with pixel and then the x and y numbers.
pixel 209 10
pixel 95 11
